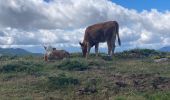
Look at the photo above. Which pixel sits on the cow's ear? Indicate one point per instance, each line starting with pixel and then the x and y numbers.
pixel 81 43
pixel 54 48
pixel 45 47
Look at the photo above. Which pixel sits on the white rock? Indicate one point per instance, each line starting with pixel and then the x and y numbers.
pixel 161 60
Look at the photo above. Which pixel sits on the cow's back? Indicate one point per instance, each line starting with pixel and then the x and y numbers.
pixel 100 32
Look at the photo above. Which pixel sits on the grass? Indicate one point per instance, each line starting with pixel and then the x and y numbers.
pixel 61 81
pixel 73 65
pixel 21 66
pixel 30 78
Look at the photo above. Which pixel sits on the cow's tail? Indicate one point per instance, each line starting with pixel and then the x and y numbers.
pixel 117 32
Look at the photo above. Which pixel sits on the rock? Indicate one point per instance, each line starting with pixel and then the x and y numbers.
pixel 87 90
pixel 161 60
pixel 121 84
pixel 135 82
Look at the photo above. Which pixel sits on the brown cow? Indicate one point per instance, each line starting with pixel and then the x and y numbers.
pixel 101 32
pixel 53 54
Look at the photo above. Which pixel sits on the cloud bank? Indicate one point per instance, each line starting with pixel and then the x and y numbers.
pixel 62 22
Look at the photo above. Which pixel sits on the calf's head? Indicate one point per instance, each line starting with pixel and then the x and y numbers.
pixel 48 50
pixel 84 48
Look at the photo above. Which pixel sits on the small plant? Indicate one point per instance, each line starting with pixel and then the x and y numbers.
pixel 73 65
pixel 120 98
pixel 73 55
pixel 107 58
pixel 61 81
pixel 94 63
pixel 168 57
pixel 156 57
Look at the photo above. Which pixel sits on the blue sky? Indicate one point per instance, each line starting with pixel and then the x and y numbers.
pixel 140 5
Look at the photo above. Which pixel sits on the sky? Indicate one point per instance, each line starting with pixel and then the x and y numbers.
pixel 29 24
pixel 141 5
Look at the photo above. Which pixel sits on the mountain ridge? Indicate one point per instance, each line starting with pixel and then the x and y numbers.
pixel 165 49
pixel 16 51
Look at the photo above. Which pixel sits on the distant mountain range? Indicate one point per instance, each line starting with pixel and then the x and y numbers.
pixel 21 52
pixel 16 51
pixel 165 49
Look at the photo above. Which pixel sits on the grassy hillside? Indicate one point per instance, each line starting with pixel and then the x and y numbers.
pixel 131 75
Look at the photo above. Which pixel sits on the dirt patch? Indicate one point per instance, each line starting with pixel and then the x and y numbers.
pixel 141 82
pixel 87 90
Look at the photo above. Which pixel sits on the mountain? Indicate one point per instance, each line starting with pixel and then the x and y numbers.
pixel 16 51
pixel 165 49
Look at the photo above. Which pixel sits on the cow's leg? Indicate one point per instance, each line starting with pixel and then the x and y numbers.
pixel 113 43
pixel 88 50
pixel 45 57
pixel 96 49
pixel 109 44
pixel 113 48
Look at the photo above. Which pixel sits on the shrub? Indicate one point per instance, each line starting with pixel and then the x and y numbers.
pixel 168 57
pixel 156 57
pixel 6 57
pixel 120 98
pixel 94 63
pixel 61 81
pixel 140 53
pixel 21 66
pixel 158 96
pixel 73 65
pixel 107 58
pixel 73 55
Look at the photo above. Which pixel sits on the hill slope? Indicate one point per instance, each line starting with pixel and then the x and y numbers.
pixel 77 78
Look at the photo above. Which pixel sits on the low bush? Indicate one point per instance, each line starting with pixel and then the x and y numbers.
pixel 140 53
pixel 107 58
pixel 6 57
pixel 168 57
pixel 73 65
pixel 21 66
pixel 61 81
pixel 158 96
pixel 73 55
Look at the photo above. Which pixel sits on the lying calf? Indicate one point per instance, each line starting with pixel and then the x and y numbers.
pixel 54 54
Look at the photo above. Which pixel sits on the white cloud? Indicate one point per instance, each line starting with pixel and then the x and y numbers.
pixel 62 22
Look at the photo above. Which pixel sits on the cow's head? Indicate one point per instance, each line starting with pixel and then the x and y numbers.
pixel 84 48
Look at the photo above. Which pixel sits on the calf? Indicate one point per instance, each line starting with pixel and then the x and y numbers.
pixel 53 54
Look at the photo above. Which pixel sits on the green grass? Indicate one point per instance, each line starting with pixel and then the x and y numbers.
pixel 21 66
pixel 158 96
pixel 77 78
pixel 61 81
pixel 73 65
